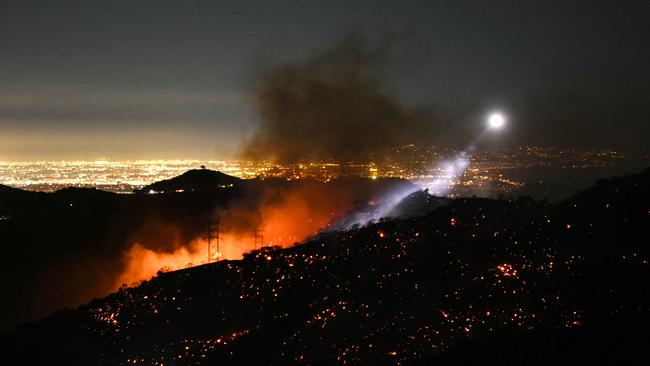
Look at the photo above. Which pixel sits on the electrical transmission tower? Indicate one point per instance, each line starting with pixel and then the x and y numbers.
pixel 258 237
pixel 214 230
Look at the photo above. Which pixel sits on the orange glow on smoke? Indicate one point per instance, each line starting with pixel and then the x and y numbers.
pixel 144 263
pixel 287 218
pixel 294 220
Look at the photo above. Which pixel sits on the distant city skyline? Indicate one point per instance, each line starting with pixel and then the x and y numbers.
pixel 487 171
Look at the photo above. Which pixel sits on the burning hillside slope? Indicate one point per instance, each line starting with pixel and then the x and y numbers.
pixel 479 272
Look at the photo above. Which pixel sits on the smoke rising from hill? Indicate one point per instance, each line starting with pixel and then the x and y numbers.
pixel 332 107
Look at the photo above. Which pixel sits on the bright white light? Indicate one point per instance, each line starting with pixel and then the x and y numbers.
pixel 496 120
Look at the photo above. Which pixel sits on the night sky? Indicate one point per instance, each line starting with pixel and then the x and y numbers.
pixel 142 80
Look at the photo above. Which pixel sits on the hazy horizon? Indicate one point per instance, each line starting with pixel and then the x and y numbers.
pixel 149 80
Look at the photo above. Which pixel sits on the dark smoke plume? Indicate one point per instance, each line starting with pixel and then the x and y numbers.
pixel 332 107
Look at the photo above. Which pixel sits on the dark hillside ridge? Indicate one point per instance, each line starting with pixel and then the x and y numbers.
pixel 517 282
pixel 67 247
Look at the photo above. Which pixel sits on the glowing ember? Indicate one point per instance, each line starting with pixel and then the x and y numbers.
pixel 507 270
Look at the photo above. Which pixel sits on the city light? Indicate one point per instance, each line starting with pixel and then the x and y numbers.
pixel 426 167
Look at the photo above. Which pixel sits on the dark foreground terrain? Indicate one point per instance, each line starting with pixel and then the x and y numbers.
pixel 479 281
pixel 63 249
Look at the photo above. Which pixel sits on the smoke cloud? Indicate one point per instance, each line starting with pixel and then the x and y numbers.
pixel 332 107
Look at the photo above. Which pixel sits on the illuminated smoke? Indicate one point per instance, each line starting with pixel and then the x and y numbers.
pixel 333 107
pixel 450 171
pixel 142 263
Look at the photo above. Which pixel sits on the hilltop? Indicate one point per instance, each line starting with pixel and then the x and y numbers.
pixel 509 281
pixel 193 180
